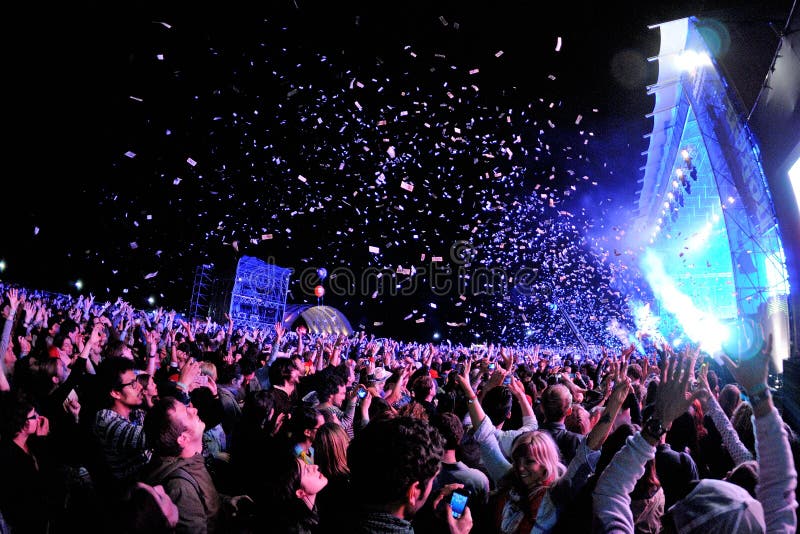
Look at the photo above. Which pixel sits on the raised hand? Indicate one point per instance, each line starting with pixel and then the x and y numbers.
pixel 751 372
pixel 672 397
pixel 13 298
pixel 279 331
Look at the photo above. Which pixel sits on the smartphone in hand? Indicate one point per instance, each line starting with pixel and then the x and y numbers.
pixel 458 502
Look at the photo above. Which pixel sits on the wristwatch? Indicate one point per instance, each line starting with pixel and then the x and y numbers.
pixel 654 427
pixel 758 394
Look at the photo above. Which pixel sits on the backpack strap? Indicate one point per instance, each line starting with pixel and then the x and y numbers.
pixel 182 474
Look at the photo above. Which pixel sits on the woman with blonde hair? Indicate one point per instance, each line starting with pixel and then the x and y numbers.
pixel 330 454
pixel 534 484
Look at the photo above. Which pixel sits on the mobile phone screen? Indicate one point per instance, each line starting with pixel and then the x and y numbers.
pixel 458 501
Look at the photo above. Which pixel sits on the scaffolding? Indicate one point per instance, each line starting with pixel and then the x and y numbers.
pixel 201 290
pixel 258 297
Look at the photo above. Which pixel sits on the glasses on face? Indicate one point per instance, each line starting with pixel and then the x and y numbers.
pixel 134 383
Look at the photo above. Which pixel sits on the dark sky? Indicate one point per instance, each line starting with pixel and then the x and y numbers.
pixel 278 108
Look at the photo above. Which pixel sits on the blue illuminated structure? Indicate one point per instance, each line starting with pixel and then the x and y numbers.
pixel 258 297
pixel 705 204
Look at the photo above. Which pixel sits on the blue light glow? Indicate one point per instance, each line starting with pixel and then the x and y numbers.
pixel 699 325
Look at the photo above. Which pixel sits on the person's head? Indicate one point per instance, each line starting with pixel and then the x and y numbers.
pixel 303 425
pixel 292 487
pixel 393 463
pixel 535 459
pixel 331 388
pixel 149 509
pixel 556 403
pixel 449 426
pixel 380 409
pixel 173 430
pixel 634 372
pixel 330 450
pixel 18 415
pixel 424 388
pixel 118 349
pixel 62 342
pixel 745 475
pixel 729 399
pixel 209 369
pixel 258 408
pixel 497 404
pixel 743 425
pixel 118 383
pixel 208 408
pixel 283 372
pixel 715 507
pixel 578 420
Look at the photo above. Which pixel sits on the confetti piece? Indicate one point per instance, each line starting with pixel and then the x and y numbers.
pixel 148 276
pixel 558 44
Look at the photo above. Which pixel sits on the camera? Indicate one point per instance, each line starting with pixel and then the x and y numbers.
pixel 361 392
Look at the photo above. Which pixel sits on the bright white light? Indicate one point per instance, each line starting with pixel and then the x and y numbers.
pixel 715 218
pixel 151 300
pixel 666 205
pixel 690 60
pixel 679 173
pixel 700 326
pixel 2 265
pixel 685 154
pixel 794 179
pixel 730 200
pixel 78 285
pixel 697 240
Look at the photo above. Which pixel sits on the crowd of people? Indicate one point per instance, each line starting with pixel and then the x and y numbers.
pixel 114 419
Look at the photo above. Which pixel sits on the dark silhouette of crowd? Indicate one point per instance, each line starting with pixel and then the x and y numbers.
pixel 114 419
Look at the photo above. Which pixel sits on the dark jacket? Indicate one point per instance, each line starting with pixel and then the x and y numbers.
pixel 189 485
pixel 566 440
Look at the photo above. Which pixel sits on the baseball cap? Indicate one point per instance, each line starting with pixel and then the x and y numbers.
pixel 718 506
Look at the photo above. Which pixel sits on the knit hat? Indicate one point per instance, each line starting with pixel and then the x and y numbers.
pixel 718 506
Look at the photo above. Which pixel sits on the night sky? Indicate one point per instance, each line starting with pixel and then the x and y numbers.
pixel 502 140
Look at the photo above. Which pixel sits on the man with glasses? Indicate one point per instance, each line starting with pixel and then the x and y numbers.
pixel 117 427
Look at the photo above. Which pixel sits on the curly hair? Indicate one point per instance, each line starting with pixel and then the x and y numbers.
pixel 390 455
pixel 449 426
pixel 328 386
